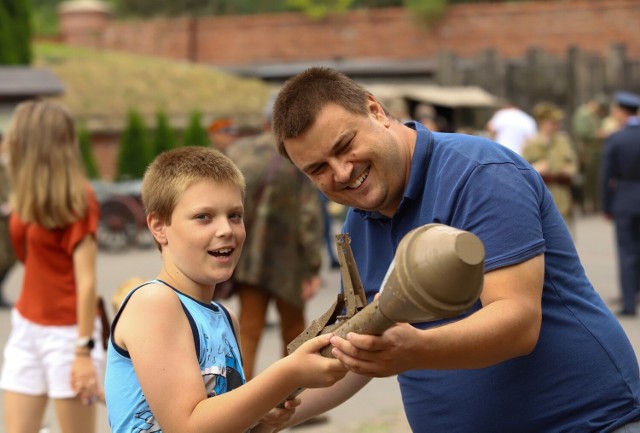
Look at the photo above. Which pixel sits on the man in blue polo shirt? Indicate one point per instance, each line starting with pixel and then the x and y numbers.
pixel 540 352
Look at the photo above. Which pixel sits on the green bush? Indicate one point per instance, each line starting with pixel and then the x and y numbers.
pixel 164 137
pixel 134 153
pixel 87 153
pixel 196 134
pixel 15 32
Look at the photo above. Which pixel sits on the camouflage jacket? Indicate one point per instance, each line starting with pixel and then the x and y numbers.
pixel 284 228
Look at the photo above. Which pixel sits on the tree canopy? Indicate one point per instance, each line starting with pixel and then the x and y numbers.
pixel 134 153
pixel 45 11
pixel 15 32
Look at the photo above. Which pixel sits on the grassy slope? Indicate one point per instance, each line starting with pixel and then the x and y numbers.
pixel 101 86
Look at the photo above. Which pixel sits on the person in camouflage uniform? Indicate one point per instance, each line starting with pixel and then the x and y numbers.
pixel 551 153
pixel 587 125
pixel 281 257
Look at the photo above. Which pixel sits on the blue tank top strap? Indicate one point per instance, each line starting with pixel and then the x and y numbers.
pixel 192 324
pixel 119 312
pixel 192 321
pixel 233 328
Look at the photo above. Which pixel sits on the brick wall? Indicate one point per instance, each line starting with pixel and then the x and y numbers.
pixel 389 34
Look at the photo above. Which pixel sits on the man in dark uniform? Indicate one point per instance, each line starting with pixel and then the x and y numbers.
pixel 621 194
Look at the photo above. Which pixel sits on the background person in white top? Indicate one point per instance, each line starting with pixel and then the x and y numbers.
pixel 512 127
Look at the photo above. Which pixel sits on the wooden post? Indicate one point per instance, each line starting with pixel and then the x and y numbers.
pixel 446 69
pixel 616 74
pixel 488 72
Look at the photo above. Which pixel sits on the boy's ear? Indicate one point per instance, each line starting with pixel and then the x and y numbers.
pixel 157 228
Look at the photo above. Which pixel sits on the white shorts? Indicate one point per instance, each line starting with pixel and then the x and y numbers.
pixel 38 359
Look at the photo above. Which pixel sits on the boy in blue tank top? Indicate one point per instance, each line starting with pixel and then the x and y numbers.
pixel 173 362
pixel 540 352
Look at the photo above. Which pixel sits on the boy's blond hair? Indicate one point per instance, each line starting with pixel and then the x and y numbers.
pixel 172 172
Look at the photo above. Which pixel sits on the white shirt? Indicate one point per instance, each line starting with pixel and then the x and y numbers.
pixel 512 128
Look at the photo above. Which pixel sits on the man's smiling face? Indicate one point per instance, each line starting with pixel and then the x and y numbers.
pixel 353 159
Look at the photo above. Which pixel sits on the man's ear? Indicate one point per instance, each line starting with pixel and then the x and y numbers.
pixel 157 228
pixel 377 111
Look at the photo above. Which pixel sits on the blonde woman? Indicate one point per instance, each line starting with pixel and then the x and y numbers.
pixel 51 353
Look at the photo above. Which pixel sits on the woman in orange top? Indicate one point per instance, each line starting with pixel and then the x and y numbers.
pixel 51 353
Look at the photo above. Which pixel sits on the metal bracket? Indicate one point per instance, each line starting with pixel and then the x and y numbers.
pixel 351 302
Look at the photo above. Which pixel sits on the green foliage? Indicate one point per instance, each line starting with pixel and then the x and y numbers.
pixel 365 4
pixel 316 9
pixel 134 154
pixel 45 11
pixel 15 32
pixel 149 8
pixel 196 135
pixel 45 17
pixel 313 8
pixel 319 9
pixel 427 11
pixel 7 55
pixel 164 137
pixel 87 153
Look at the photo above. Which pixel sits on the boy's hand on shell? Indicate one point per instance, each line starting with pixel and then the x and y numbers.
pixel 317 371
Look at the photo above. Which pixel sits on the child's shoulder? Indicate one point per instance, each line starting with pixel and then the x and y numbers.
pixel 153 295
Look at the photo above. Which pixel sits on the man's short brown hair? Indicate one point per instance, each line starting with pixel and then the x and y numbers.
pixel 306 94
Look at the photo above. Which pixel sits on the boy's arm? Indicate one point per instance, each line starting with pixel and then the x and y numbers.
pixel 156 332
pixel 320 400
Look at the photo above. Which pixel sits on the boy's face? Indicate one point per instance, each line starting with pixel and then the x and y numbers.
pixel 205 238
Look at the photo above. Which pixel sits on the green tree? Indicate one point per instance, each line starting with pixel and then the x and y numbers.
pixel 319 9
pixel 196 135
pixel 45 17
pixel 148 8
pixel 7 54
pixel 312 8
pixel 164 137
pixel 87 153
pixel 134 154
pixel 15 32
